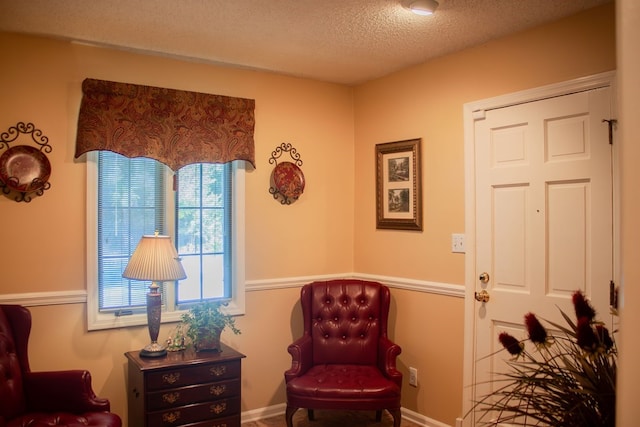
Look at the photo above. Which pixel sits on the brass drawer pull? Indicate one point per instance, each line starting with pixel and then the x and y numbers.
pixel 171 397
pixel 219 408
pixel 171 378
pixel 217 390
pixel 218 370
pixel 171 417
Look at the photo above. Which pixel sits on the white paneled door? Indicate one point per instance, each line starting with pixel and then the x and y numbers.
pixel 543 216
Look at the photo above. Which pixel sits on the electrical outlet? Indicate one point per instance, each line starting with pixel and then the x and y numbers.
pixel 413 377
pixel 457 243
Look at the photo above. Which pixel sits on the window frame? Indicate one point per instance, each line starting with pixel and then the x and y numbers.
pixel 171 313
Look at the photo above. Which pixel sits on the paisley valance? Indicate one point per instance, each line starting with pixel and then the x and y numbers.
pixel 172 126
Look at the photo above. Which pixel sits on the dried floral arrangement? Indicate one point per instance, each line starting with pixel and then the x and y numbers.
pixel 568 380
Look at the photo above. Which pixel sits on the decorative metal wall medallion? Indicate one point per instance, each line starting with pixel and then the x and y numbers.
pixel 287 179
pixel 24 169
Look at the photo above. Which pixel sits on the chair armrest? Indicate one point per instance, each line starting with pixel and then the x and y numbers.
pixel 301 357
pixel 388 351
pixel 62 391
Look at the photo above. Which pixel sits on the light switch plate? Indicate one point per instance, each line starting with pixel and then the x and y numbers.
pixel 413 377
pixel 457 243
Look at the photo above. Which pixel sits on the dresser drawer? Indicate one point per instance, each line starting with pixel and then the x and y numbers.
pixel 193 394
pixel 182 415
pixel 184 376
pixel 185 389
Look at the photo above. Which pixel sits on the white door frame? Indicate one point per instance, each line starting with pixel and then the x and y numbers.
pixel 473 111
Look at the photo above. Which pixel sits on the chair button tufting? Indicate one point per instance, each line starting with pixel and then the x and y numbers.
pixel 348 345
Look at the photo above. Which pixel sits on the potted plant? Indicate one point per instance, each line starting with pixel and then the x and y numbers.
pixel 204 322
pixel 567 379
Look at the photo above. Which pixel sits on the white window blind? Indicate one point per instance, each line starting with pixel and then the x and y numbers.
pixel 131 203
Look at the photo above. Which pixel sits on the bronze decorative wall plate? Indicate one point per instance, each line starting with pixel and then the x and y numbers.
pixel 24 169
pixel 287 179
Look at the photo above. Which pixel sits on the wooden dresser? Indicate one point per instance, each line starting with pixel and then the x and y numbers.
pixel 185 388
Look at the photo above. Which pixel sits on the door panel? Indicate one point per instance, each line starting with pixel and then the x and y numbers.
pixel 567 244
pixel 543 216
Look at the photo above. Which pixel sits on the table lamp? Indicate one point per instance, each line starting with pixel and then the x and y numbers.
pixel 154 259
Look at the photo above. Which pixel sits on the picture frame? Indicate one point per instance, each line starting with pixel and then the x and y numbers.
pixel 398 185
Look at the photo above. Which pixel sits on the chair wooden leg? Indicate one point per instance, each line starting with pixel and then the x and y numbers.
pixel 311 415
pixel 397 416
pixel 289 415
pixel 378 416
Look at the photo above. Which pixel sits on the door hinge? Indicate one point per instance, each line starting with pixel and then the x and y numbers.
pixel 613 295
pixel 611 123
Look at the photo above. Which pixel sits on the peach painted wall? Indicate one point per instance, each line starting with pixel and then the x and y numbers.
pixel 43 242
pixel 628 386
pixel 331 230
pixel 42 82
pixel 426 102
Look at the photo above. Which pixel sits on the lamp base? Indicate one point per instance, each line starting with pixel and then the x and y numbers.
pixel 153 350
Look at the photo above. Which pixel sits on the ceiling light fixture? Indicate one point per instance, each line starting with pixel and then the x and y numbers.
pixel 422 7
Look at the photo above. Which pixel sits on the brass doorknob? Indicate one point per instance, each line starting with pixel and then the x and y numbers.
pixel 484 277
pixel 482 296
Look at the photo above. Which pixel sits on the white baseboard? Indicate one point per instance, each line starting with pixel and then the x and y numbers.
pixel 262 413
pixel 278 411
pixel 420 419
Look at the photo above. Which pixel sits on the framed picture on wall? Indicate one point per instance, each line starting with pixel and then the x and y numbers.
pixel 398 190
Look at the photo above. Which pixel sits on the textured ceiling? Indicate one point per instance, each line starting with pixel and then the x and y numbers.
pixel 342 41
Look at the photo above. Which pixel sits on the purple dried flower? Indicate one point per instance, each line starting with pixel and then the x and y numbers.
pixel 586 338
pixel 510 343
pixel 583 307
pixel 537 332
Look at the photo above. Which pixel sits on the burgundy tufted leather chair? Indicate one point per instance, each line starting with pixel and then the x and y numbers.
pixel 344 360
pixel 38 399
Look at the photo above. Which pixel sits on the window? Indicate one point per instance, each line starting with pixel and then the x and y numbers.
pixel 203 231
pixel 127 198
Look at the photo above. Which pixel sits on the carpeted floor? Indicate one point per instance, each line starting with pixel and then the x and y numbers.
pixel 331 419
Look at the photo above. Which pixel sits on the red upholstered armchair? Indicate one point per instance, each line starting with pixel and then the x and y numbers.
pixel 344 360
pixel 34 399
